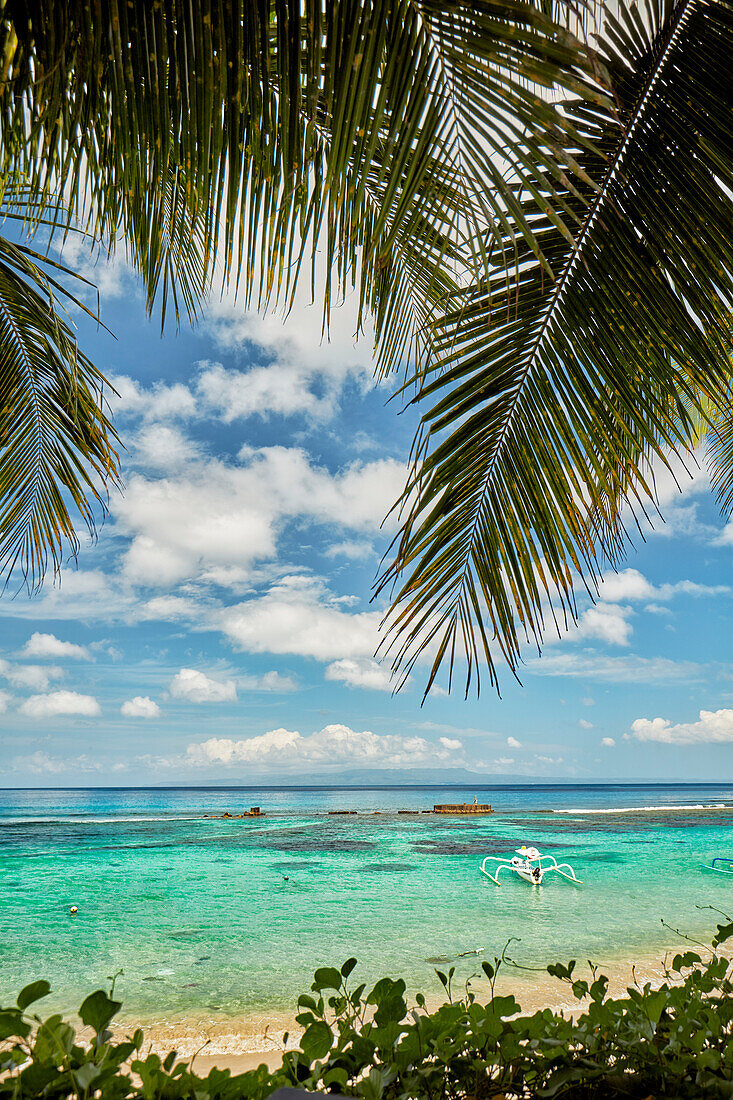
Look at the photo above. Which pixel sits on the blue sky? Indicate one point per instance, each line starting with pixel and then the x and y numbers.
pixel 221 627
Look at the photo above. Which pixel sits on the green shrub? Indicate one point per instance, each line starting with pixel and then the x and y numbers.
pixel 674 1041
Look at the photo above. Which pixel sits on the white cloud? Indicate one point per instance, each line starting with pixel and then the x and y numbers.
pixel 617 670
pixel 196 687
pixel 608 742
pixel 606 622
pixel 39 762
pixel 355 551
pixel 299 616
pixel 362 672
pixel 140 707
pixel 159 402
pixel 333 745
pixel 110 276
pixel 5 700
pixel 48 645
pixel 305 373
pixel 59 703
pixel 513 743
pixel 451 743
pixel 713 727
pixel 164 448
pixel 677 489
pixel 215 520
pixel 285 388
pixel 585 724
pixel 630 584
pixel 81 594
pixel 32 677
pixel 268 681
pixel 725 538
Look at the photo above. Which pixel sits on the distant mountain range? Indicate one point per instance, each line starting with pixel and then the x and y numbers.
pixel 384 777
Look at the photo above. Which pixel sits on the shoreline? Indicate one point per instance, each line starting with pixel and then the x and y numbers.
pixel 257 1038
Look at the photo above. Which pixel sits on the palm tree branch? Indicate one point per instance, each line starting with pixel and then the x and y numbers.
pixel 489 533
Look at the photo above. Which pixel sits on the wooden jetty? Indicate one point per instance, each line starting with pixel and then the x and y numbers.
pixel 463 808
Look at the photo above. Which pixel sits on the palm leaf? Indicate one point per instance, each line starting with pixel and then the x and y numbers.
pixel 57 447
pixel 371 131
pixel 549 396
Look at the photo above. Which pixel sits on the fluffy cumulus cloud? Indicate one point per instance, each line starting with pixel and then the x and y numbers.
pixel 362 672
pixel 48 645
pixel 215 521
pixel 333 745
pixel 299 616
pixel 513 743
pixel 30 677
pixel 140 707
pixel 585 724
pixel 56 704
pixel 608 742
pixel 295 370
pixel 196 687
pixel 304 373
pixel 712 727
pixel 607 623
pixel 451 743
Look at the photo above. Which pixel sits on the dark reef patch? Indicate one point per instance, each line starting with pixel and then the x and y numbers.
pixel 295 864
pixel 386 866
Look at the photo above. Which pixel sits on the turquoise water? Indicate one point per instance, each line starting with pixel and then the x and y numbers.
pixel 199 914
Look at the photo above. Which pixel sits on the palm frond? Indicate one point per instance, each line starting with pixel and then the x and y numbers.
pixel 57 447
pixel 549 395
pixel 376 133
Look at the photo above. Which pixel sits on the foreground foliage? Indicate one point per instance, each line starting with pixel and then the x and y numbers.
pixel 670 1041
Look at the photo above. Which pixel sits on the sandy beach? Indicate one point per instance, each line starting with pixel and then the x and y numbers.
pixel 246 1043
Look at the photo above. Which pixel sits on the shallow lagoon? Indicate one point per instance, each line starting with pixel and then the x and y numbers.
pixel 225 918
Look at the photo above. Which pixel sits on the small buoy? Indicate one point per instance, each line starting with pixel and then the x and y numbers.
pixel 73 909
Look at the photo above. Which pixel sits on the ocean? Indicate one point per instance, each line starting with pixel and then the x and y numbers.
pixel 209 918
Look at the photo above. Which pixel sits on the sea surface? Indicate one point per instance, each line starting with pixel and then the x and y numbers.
pixel 205 916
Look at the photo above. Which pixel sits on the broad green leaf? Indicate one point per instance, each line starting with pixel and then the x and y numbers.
pixel 12 1024
pixel 31 993
pixel 347 968
pixel 316 1041
pixel 98 1009
pixel 327 977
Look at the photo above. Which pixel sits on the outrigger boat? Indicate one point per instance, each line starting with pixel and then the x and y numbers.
pixel 727 870
pixel 530 865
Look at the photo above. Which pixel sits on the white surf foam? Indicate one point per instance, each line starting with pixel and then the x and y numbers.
pixel 648 809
